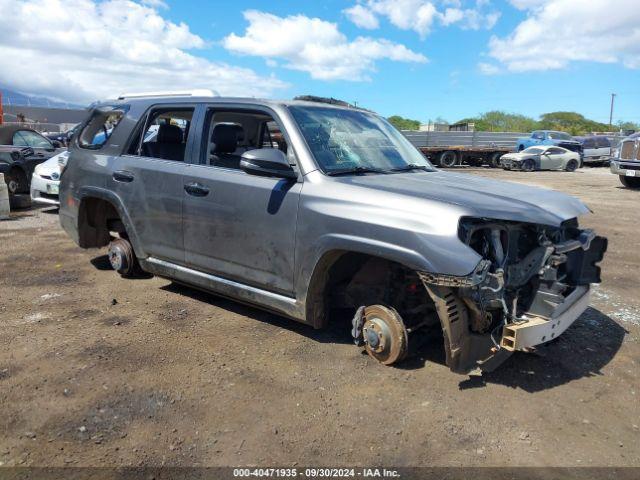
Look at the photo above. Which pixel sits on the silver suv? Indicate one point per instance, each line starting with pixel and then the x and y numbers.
pixel 326 213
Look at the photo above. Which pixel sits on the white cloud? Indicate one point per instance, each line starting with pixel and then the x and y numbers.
pixel 315 46
pixel 421 15
pixel 488 68
pixel 83 50
pixel 558 32
pixel 362 17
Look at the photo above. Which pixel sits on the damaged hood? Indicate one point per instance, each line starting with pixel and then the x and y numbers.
pixel 520 156
pixel 479 196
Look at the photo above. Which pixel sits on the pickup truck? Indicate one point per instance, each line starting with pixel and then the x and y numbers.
pixel 549 137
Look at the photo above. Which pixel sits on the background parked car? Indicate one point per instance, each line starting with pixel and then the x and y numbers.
pixel 627 163
pixel 22 150
pixel 549 137
pixel 541 158
pixel 63 138
pixel 46 179
pixel 596 149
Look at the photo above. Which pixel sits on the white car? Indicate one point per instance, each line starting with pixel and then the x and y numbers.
pixel 46 180
pixel 541 157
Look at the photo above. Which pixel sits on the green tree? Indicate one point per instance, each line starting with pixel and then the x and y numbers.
pixel 402 123
pixel 571 122
pixel 498 121
pixel 622 125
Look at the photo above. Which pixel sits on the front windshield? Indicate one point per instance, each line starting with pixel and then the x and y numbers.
pixel 344 140
pixel 560 136
pixel 533 150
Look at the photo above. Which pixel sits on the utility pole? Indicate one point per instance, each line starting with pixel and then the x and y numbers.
pixel 613 95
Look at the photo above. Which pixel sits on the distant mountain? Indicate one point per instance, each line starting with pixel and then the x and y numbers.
pixel 11 97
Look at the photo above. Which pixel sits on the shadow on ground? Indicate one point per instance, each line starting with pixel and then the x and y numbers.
pixel 582 351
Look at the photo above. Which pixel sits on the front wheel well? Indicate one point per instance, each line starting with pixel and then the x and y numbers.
pixel 345 280
pixel 97 218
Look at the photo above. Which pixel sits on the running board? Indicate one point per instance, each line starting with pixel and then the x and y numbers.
pixel 238 291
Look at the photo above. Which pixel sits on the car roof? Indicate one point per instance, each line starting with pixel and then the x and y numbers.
pixel 179 99
pixel 7 131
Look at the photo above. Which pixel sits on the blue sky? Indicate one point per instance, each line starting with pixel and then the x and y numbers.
pixel 450 85
pixel 462 57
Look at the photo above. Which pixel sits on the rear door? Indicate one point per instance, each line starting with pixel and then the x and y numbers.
pixel 236 225
pixel 149 179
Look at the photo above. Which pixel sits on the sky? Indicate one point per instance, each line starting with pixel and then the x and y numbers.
pixel 421 59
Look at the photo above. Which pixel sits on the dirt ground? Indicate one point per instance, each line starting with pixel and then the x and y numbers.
pixel 96 370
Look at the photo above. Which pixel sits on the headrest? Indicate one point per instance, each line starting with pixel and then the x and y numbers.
pixel 239 132
pixel 225 138
pixel 168 133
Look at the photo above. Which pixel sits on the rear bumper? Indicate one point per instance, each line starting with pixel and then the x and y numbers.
pixel 625 168
pixel 534 331
pixel 600 159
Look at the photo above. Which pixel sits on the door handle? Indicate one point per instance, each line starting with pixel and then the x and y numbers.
pixel 196 189
pixel 123 176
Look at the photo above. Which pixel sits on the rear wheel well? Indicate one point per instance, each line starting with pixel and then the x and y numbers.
pixel 344 281
pixel 96 219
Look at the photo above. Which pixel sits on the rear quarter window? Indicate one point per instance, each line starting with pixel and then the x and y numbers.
pixel 97 131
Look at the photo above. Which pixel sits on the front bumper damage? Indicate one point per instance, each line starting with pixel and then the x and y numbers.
pixel 513 300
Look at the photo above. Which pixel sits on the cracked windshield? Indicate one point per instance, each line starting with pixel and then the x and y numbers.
pixel 352 141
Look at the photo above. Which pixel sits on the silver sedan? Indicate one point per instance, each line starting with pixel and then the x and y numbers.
pixel 541 158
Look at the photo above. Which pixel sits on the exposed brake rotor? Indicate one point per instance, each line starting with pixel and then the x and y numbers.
pixel 384 334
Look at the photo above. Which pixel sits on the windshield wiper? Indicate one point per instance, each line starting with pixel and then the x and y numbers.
pixel 411 166
pixel 355 170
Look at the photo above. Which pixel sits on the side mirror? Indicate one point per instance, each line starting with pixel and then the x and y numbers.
pixel 56 144
pixel 267 162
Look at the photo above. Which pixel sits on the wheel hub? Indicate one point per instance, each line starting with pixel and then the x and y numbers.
pixel 115 259
pixel 384 334
pixel 376 334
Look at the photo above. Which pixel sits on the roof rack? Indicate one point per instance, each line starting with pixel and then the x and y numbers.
pixel 330 101
pixel 183 93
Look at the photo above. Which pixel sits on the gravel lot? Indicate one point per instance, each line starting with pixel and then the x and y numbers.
pixel 96 370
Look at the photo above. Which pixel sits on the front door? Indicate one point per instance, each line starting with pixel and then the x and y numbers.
pixel 240 226
pixel 555 158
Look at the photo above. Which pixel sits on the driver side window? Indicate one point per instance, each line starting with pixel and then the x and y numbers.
pixel 230 133
pixel 25 138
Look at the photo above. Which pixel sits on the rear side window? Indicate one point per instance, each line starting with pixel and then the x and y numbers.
pixel 603 142
pixel 163 134
pixel 589 143
pixel 100 127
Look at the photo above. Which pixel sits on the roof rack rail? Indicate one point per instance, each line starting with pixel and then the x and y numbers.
pixel 182 93
pixel 330 101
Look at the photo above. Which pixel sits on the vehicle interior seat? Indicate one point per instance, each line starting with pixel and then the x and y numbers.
pixel 241 146
pixel 168 144
pixel 224 142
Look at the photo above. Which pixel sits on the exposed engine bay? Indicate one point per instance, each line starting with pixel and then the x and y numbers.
pixel 531 283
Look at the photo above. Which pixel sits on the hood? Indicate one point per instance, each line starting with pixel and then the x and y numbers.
pixel 478 196
pixel 520 156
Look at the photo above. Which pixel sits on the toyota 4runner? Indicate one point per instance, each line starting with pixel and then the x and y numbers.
pixel 321 212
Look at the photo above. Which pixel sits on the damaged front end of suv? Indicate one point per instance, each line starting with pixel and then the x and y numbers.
pixel 532 283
